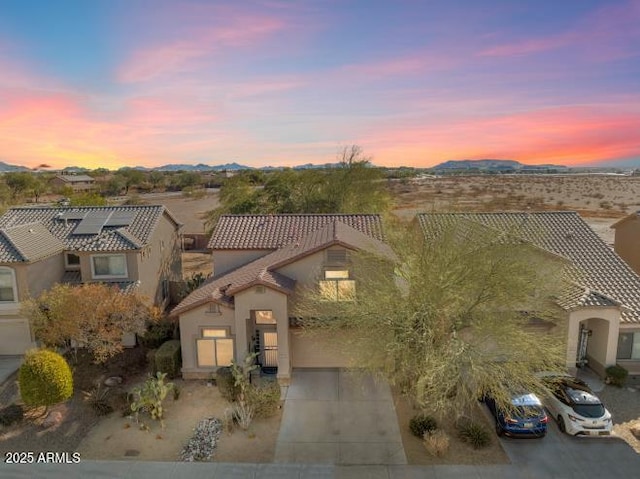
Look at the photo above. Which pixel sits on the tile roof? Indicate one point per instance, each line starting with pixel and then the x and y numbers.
pixel 75 178
pixel 605 277
pixel 55 228
pixel 27 242
pixel 262 271
pixel 275 231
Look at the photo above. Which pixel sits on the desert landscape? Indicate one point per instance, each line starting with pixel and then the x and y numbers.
pixel 600 199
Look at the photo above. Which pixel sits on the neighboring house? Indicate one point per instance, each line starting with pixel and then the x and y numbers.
pixel 131 246
pixel 75 182
pixel 627 239
pixel 260 263
pixel 603 308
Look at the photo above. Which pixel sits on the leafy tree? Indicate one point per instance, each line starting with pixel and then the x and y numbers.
pixel 451 320
pixel 45 379
pixel 130 177
pixel 115 185
pixel 354 186
pixel 18 182
pixel 39 186
pixel 92 315
pixel 156 178
pixel 87 199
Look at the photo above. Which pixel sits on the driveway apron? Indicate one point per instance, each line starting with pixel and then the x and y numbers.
pixel 333 416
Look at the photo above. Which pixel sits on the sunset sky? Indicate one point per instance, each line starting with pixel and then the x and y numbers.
pixel 112 83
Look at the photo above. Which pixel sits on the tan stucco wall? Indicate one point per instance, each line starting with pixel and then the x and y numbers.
pixel 42 275
pixel 627 242
pixel 31 280
pixel 162 261
pixel 250 299
pixel 191 324
pixel 603 344
pixel 226 260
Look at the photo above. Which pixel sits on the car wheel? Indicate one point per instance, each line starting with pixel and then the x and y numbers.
pixel 561 425
pixel 499 430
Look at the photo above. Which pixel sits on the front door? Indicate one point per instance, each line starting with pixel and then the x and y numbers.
pixel 269 349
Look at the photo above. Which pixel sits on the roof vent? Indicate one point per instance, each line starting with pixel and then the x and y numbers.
pixel 569 235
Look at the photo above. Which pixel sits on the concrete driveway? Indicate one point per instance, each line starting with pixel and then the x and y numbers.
pixel 333 416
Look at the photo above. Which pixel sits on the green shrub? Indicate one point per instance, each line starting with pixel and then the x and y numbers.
pixel 226 384
pixel 264 399
pixel 616 375
pixel 421 424
pixel 475 434
pixel 44 378
pixel 168 358
pixel 11 414
pixel 156 334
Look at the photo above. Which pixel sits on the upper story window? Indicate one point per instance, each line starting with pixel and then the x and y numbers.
pixel 109 266
pixel 337 285
pixel 71 261
pixel 8 289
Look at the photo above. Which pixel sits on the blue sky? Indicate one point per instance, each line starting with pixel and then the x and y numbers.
pixel 115 83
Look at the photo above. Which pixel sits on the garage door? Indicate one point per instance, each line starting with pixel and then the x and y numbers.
pixel 15 337
pixel 315 351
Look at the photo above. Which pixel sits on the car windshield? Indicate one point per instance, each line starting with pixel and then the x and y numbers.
pixel 589 410
pixel 528 411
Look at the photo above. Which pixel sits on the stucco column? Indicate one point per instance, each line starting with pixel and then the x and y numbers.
pixel 284 359
pixel 612 342
pixel 241 334
pixel 573 330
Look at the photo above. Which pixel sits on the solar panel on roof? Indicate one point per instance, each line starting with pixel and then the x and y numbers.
pixel 72 215
pixel 92 223
pixel 120 218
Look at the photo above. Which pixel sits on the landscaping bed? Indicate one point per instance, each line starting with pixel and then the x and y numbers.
pixel 459 452
pixel 114 436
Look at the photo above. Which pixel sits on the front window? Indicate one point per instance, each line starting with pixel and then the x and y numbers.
pixel 337 286
pixel 214 348
pixel 629 346
pixel 109 266
pixel 7 286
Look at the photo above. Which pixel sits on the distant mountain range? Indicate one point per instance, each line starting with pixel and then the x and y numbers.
pixel 492 164
pixel 5 167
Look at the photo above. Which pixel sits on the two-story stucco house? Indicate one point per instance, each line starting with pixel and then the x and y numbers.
pixel 603 306
pixel 133 246
pixel 627 239
pixel 75 182
pixel 260 263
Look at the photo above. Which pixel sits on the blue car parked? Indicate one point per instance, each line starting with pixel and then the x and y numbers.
pixel 526 419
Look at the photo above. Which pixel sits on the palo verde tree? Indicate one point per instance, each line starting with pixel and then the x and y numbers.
pixel 92 315
pixel 456 316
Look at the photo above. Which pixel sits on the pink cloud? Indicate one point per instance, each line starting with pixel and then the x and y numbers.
pixel 610 32
pixel 526 47
pixel 198 44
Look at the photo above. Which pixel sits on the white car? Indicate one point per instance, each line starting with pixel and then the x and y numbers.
pixel 575 407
